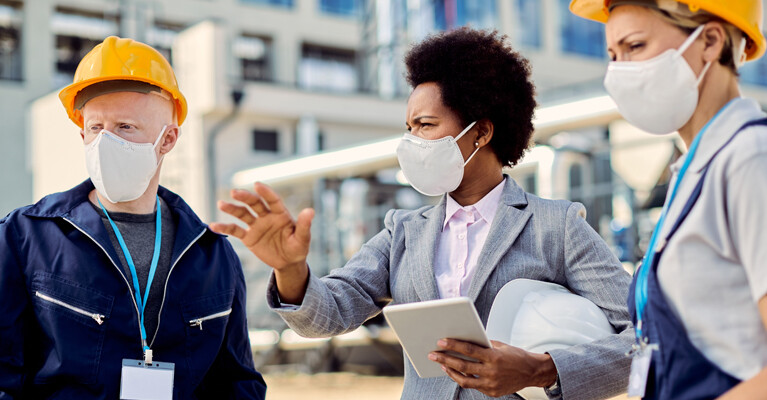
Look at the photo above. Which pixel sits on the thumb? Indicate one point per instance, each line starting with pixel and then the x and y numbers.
pixel 304 225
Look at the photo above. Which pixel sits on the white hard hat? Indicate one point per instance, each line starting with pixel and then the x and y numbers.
pixel 542 316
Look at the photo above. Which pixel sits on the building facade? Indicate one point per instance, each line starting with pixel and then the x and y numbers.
pixel 275 80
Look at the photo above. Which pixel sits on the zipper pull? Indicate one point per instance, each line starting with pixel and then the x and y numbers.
pixel 98 318
pixel 196 322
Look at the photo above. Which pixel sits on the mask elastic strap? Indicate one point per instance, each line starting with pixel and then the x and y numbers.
pixel 162 132
pixel 694 35
pixel 740 58
pixel 463 132
pixel 471 156
pixel 703 73
pixel 460 135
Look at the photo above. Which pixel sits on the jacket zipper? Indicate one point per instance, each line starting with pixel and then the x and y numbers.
pixel 99 318
pixel 138 315
pixel 165 288
pixel 199 321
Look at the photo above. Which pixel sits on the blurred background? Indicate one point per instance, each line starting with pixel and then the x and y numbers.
pixel 309 96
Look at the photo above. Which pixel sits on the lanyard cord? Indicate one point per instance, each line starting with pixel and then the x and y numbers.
pixel 141 303
pixel 640 291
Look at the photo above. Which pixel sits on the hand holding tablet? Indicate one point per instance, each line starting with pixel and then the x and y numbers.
pixel 419 326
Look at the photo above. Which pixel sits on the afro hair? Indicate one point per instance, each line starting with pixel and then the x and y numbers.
pixel 480 77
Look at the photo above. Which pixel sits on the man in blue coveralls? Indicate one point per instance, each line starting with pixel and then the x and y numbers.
pixel 117 281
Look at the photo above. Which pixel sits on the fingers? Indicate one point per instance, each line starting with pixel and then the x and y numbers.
pixel 228 229
pixel 463 380
pixel 239 212
pixel 461 347
pixel 304 225
pixel 253 200
pixel 270 197
pixel 458 364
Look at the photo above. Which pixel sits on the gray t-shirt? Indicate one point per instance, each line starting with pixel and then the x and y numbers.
pixel 138 232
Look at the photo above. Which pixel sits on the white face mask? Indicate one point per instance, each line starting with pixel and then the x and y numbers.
pixel 657 95
pixel 433 167
pixel 119 169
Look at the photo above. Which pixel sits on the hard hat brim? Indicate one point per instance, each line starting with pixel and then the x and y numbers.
pixel 69 93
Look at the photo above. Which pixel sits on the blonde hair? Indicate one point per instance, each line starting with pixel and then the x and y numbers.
pixel 731 54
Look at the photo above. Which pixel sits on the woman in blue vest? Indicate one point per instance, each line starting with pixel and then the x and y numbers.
pixel 699 299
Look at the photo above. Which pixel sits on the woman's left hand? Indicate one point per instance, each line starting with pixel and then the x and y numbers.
pixel 498 371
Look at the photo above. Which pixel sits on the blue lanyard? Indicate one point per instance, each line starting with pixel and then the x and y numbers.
pixel 640 291
pixel 141 303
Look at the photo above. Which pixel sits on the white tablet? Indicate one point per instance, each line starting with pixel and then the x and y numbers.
pixel 420 325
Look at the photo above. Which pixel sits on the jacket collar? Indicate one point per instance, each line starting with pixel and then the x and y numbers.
pixel 513 195
pixel 73 206
pixel 422 233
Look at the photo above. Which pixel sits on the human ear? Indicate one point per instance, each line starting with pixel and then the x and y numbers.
pixel 169 141
pixel 484 129
pixel 714 37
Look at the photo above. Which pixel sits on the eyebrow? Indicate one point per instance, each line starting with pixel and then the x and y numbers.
pixel 420 117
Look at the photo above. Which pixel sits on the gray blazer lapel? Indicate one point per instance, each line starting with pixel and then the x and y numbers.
pixel 421 241
pixel 509 221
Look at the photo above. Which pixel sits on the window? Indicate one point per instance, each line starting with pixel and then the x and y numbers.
pixel 529 23
pixel 265 140
pixel 350 8
pixel 161 37
pixel 530 183
pixel 10 41
pixel 279 3
pixel 450 14
pixel 754 72
pixel 579 35
pixel 77 33
pixel 254 55
pixel 330 69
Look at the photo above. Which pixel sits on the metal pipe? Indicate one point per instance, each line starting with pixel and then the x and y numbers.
pixel 237 96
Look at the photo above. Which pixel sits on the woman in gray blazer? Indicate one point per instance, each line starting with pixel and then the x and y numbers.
pixel 469 115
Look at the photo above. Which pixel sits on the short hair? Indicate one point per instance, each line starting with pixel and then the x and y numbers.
pixel 480 76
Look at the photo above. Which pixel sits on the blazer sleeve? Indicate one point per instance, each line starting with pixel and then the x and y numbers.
pixel 233 375
pixel 599 369
pixel 341 301
pixel 14 302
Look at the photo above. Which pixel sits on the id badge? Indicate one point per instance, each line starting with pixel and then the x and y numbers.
pixel 640 368
pixel 143 381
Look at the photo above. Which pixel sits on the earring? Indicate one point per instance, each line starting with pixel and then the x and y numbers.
pixel 476 144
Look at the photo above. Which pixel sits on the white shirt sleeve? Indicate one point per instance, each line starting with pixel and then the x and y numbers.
pixel 747 219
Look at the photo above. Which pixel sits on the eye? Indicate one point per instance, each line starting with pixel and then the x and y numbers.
pixel 126 127
pixel 636 46
pixel 95 128
pixel 427 124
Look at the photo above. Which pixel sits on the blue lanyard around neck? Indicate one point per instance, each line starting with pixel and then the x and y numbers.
pixel 141 303
pixel 640 291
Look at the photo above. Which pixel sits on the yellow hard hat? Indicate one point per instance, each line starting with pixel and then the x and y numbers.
pixel 746 15
pixel 117 59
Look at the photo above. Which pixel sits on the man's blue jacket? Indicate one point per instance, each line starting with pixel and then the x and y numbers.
pixel 68 318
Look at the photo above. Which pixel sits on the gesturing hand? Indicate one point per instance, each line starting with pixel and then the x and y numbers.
pixel 498 371
pixel 272 235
